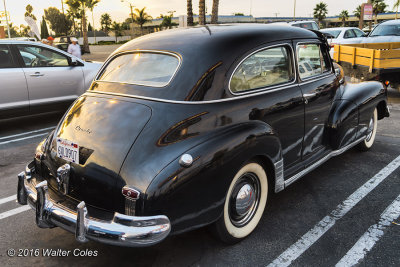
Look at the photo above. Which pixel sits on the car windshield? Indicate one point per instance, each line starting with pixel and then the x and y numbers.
pixel 334 33
pixel 148 69
pixel 386 30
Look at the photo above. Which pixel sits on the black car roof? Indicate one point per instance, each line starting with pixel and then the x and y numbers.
pixel 207 50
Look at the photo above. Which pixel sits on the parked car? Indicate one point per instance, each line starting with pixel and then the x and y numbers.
pixel 63 42
pixel 385 32
pixel 39 78
pixel 305 24
pixel 344 35
pixel 196 126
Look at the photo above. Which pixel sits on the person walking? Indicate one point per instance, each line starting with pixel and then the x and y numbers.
pixel 74 48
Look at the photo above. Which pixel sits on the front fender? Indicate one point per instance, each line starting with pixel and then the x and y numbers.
pixel 194 196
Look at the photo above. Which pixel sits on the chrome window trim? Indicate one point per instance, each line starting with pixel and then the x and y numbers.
pixel 107 62
pixel 315 77
pixel 252 91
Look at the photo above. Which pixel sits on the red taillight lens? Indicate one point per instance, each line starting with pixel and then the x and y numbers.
pixel 130 193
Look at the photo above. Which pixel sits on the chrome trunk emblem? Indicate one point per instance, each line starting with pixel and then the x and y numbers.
pixel 63 178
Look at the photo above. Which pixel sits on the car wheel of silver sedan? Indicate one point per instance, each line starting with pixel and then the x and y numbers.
pixel 371 133
pixel 244 203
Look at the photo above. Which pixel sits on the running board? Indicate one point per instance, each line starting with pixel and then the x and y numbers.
pixel 321 161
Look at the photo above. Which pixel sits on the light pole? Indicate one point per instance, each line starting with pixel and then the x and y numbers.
pixel 131 6
pixel 8 26
pixel 294 10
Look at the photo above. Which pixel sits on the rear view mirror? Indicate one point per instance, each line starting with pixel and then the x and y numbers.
pixel 73 62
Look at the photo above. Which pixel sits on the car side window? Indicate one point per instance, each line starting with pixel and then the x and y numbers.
pixel 6 60
pixel 37 56
pixel 312 60
pixel 358 33
pixel 349 34
pixel 268 67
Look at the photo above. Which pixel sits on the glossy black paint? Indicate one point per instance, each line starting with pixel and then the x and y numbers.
pixel 137 134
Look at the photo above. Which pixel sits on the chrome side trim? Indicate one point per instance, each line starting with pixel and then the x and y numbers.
pixel 179 57
pixel 279 180
pixel 321 161
pixel 269 87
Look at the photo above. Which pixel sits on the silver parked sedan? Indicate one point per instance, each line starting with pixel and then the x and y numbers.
pixel 38 78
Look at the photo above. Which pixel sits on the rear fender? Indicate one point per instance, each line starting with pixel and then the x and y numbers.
pixel 194 196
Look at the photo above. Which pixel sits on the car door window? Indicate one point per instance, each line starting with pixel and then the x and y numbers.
pixel 311 60
pixel 358 33
pixel 349 34
pixel 6 60
pixel 37 56
pixel 262 69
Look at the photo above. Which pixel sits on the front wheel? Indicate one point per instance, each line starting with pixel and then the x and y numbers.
pixel 244 204
pixel 371 133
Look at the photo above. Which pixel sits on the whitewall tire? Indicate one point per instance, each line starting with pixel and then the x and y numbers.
pixel 367 143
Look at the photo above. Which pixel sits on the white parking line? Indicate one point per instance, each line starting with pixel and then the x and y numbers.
pixel 14 211
pixel 22 138
pixel 8 199
pixel 26 133
pixel 308 239
pixel 373 234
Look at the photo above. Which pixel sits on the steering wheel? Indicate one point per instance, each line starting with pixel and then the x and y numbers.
pixel 34 62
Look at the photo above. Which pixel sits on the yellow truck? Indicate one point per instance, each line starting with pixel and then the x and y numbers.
pixel 373 61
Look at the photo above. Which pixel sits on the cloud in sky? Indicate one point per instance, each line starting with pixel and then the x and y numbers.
pixel 119 11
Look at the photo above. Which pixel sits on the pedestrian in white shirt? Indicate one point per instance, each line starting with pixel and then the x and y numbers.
pixel 74 48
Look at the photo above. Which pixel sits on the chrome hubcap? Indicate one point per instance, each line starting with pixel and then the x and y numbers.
pixel 244 199
pixel 370 129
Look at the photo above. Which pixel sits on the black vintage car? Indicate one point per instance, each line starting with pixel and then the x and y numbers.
pixel 196 126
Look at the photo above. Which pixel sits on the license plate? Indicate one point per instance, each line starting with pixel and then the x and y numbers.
pixel 67 150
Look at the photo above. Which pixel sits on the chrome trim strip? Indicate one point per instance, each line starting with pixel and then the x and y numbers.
pixel 105 64
pixel 122 230
pixel 321 161
pixel 279 180
pixel 269 87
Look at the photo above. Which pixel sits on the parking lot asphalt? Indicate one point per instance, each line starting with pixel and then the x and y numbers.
pixel 322 220
pixel 99 52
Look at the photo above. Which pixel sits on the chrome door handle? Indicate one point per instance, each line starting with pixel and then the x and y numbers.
pixel 309 95
pixel 37 74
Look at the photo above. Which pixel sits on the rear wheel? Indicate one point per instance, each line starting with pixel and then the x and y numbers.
pixel 371 133
pixel 244 204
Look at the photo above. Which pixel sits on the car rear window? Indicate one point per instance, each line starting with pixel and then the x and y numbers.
pixel 141 68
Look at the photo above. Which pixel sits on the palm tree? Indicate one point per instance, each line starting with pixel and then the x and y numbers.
pixel 320 12
pixel 81 6
pixel 378 6
pixel 357 12
pixel 141 17
pixel 202 12
pixel 343 16
pixel 117 29
pixel 91 4
pixel 214 14
pixel 189 13
pixel 105 22
pixel 396 5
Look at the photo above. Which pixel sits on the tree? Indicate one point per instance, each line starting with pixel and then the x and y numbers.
pixel 117 29
pixel 91 4
pixel 23 30
pixel 81 6
pixel 378 6
pixel 28 12
pixel 357 12
pixel 167 20
pixel 89 28
pixel 202 12
pixel 320 12
pixel 214 14
pixel 343 16
pixel 105 22
pixel 396 5
pixel 140 17
pixel 189 13
pixel 13 30
pixel 44 32
pixel 59 23
pixel 238 14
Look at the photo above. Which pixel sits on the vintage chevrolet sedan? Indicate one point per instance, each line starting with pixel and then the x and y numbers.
pixel 193 127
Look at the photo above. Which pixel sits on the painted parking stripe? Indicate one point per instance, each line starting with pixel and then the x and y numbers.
pixel 371 236
pixel 14 211
pixel 8 199
pixel 22 138
pixel 308 239
pixel 26 133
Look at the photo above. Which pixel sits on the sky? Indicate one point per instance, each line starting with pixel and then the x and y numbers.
pixel 119 11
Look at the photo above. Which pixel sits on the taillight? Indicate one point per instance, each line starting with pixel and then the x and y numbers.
pixel 130 193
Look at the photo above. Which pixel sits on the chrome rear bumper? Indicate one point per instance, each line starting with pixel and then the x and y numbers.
pixel 122 230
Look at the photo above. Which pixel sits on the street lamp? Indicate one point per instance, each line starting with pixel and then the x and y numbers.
pixel 8 26
pixel 294 10
pixel 131 6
